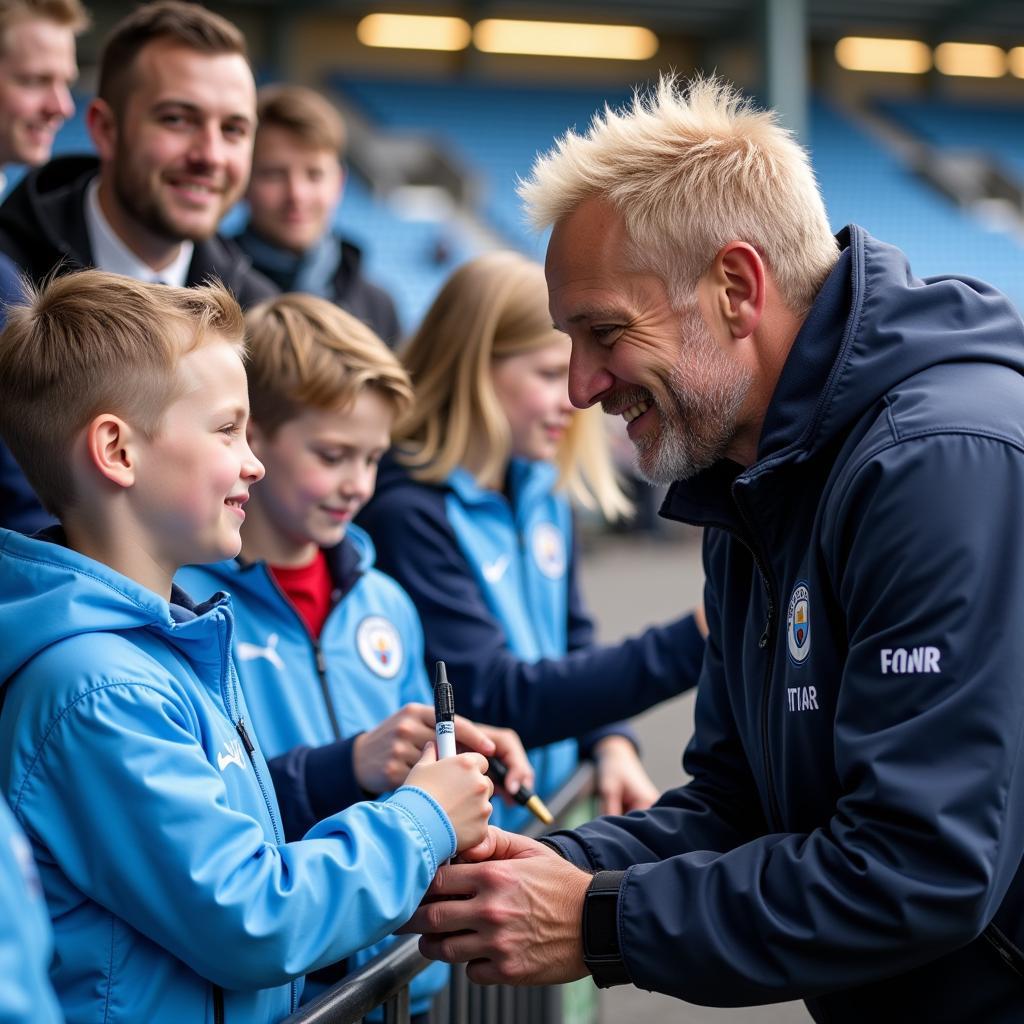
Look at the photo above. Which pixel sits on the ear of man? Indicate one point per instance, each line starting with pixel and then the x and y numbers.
pixel 737 276
pixel 102 125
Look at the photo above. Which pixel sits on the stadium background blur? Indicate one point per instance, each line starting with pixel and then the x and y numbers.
pixel 912 110
pixel 929 155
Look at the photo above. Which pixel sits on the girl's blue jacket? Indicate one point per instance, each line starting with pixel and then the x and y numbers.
pixel 309 699
pixel 26 996
pixel 494 580
pixel 125 757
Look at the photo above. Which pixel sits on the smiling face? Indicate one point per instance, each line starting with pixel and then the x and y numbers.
pixel 532 389
pixel 657 366
pixel 194 475
pixel 294 189
pixel 321 470
pixel 37 69
pixel 178 154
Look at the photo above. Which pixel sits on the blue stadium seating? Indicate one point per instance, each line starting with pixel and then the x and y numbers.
pixel 995 129
pixel 497 130
pixel 862 182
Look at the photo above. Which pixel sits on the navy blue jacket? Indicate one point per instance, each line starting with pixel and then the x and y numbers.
pixel 855 821
pixel 545 700
pixel 19 507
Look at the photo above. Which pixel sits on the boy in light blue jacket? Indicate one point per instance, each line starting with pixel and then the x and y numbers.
pixel 329 650
pixel 125 750
pixel 26 996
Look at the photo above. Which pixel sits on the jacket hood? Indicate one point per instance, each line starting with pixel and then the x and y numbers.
pixel 872 326
pixel 45 210
pixel 50 593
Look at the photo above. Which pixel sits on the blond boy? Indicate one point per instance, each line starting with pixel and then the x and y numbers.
pixel 330 651
pixel 124 747
pixel 296 185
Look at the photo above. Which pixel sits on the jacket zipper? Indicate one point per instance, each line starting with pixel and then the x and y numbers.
pixel 218 1005
pixel 318 657
pixel 250 749
pixel 1008 952
pixel 766 643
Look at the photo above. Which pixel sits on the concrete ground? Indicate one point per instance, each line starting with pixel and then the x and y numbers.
pixel 630 583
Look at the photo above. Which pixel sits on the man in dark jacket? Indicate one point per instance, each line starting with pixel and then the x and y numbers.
pixel 852 440
pixel 296 185
pixel 173 124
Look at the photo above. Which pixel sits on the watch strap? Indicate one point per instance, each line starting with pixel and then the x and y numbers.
pixel 601 953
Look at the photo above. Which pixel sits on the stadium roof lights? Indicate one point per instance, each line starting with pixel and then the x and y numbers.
pixel 503 35
pixel 913 57
pixel 565 39
pixel 413 32
pixel 901 56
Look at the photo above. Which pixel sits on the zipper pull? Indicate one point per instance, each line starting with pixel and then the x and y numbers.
pixel 250 747
pixel 762 642
pixel 321 664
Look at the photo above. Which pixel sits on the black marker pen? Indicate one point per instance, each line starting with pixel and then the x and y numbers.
pixel 523 796
pixel 444 713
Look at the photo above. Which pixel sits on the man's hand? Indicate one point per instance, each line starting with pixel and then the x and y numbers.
pixel 622 783
pixel 514 914
pixel 385 755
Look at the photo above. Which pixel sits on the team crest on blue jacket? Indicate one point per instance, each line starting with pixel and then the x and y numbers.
pixel 798 624
pixel 379 646
pixel 548 546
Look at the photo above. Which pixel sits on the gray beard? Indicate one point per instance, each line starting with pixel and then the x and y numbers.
pixel 706 392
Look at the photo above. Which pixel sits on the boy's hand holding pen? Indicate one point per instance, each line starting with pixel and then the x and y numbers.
pixel 383 756
pixel 508 765
pixel 458 782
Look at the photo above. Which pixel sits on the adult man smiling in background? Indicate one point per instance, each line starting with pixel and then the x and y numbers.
pixel 173 125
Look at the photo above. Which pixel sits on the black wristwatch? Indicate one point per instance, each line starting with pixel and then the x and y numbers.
pixel 601 953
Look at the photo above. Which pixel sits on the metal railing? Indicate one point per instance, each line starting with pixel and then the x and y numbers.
pixel 384 981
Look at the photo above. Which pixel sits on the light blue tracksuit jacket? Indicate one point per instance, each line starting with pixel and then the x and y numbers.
pixel 125 757
pixel 305 694
pixel 519 550
pixel 26 996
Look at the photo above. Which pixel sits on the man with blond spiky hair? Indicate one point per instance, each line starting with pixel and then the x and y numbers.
pixel 851 438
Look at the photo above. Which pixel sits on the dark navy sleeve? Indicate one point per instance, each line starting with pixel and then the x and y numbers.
pixel 20 509
pixel 717 811
pixel 923 546
pixel 312 783
pixel 546 701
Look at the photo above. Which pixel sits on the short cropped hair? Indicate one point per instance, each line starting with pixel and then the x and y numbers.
pixel 92 342
pixel 189 25
pixel 66 13
pixel 690 169
pixel 310 117
pixel 492 307
pixel 305 352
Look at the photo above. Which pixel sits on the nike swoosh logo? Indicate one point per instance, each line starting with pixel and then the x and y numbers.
pixel 493 571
